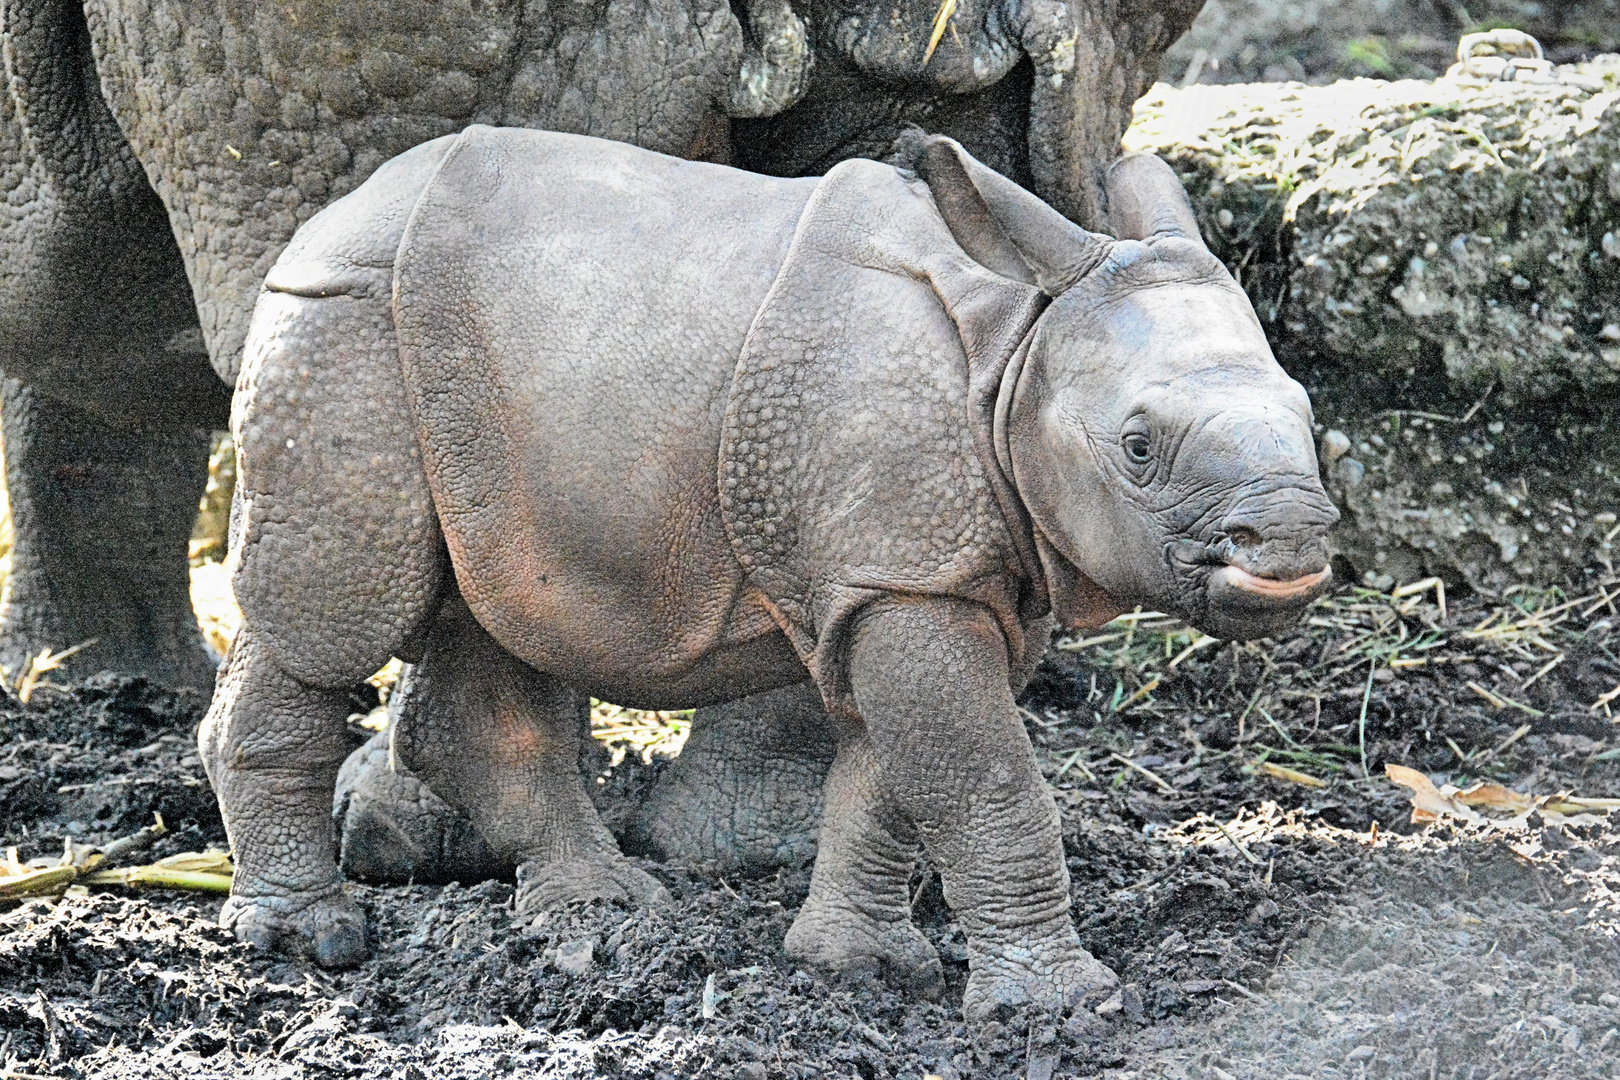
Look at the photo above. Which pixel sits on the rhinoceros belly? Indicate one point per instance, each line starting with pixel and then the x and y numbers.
pixel 570 313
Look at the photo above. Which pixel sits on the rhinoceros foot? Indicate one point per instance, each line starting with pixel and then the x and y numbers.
pixel 329 929
pixel 393 829
pixel 554 884
pixel 1040 978
pixel 745 792
pixel 847 942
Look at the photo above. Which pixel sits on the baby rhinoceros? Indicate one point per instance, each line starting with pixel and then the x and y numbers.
pixel 550 416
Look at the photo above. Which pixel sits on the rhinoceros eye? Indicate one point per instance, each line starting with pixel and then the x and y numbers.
pixel 1137 447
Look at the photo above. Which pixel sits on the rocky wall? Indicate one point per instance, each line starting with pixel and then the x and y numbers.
pixel 1439 263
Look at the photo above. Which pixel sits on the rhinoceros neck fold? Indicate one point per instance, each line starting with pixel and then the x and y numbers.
pixel 995 401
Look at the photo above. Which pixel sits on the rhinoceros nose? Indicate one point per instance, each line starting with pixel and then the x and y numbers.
pixel 1279 536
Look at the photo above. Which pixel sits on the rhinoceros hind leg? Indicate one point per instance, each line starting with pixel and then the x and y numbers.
pixel 340 564
pixel 499 741
pixel 745 792
pixel 272 746
pixel 857 918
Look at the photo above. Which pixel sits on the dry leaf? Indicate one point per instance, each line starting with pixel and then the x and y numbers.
pixel 1495 797
pixel 1429 803
pixel 1293 776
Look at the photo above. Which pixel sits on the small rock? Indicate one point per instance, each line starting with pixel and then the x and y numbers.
pixel 1114 1004
pixel 1335 444
pixel 1265 909
pixel 574 957
pixel 1350 472
pixel 1611 245
pixel 1360 1053
pixel 751 1070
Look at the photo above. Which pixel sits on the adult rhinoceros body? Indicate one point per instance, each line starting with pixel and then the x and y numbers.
pixel 686 434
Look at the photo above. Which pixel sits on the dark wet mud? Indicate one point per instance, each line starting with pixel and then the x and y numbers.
pixel 1261 927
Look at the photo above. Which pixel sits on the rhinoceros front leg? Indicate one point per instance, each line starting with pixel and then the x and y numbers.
pixel 500 742
pixel 931 679
pixel 102 517
pixel 1092 59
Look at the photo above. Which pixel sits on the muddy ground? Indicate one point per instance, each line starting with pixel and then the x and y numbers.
pixel 1261 927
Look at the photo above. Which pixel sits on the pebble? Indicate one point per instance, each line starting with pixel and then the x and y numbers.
pixel 1335 444
pixel 574 957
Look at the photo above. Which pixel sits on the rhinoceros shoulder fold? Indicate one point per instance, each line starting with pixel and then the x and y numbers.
pixel 857 455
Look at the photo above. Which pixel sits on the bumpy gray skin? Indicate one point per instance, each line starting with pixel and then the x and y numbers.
pixel 872 427
pixel 110 396
pixel 745 792
pixel 103 516
pixel 156 156
pixel 393 830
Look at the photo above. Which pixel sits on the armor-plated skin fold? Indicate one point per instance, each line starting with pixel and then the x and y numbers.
pixel 686 434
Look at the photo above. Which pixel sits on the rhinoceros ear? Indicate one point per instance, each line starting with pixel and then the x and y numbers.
pixel 1146 201
pixel 1000 225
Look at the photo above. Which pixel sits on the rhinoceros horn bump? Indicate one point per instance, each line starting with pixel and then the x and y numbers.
pixel 1000 225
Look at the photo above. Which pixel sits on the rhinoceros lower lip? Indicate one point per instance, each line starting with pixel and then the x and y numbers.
pixel 1270 588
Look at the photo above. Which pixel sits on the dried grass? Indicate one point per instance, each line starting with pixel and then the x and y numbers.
pixel 1152 670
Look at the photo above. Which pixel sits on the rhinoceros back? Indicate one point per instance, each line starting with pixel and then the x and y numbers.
pixel 569 313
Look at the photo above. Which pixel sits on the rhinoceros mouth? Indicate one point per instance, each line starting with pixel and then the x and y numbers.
pixel 1232 576
pixel 1241 605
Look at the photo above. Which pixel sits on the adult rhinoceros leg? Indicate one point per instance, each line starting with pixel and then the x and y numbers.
pixel 393 830
pixel 500 742
pixel 102 516
pixel 746 791
pixel 1093 59
pixel 1039 90
pixel 106 428
pixel 931 679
